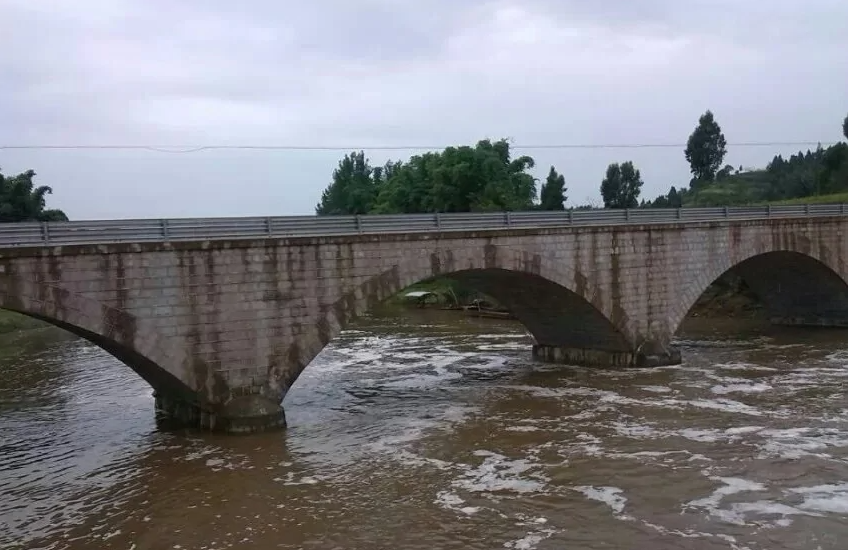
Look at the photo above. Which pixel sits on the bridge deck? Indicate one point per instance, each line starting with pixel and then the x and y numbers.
pixel 193 229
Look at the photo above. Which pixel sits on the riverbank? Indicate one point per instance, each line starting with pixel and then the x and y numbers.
pixel 727 297
pixel 14 322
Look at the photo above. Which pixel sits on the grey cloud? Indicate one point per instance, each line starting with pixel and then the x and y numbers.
pixel 388 72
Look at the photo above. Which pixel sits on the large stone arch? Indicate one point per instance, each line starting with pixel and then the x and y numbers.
pixel 798 281
pixel 555 287
pixel 133 341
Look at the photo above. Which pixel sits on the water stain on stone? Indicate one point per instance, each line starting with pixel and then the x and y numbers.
pixel 615 290
pixel 435 263
pixel 490 255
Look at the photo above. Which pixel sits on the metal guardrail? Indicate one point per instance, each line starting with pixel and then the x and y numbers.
pixel 192 229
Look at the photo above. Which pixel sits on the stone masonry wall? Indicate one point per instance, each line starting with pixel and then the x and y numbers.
pixel 224 321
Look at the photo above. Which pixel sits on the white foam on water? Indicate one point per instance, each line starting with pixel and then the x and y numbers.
pixel 731 486
pixel 725 405
pixel 597 397
pixel 701 435
pixel 742 430
pixel 738 365
pixel 769 508
pixel 582 415
pixel 840 356
pixel 304 480
pixel 756 387
pixel 512 346
pixel 611 496
pixel 530 541
pixel 421 381
pixel 522 429
pixel 453 502
pixel 411 459
pixel 795 443
pixel 411 430
pixel 637 431
pixel 690 534
pixel 832 498
pixel 499 473
pixel 712 435
pixel 656 389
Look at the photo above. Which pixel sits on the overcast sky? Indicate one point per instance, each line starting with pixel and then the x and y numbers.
pixel 393 72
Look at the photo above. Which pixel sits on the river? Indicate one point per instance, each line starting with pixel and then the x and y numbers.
pixel 429 430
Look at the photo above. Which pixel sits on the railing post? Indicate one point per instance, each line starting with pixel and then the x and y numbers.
pixel 163 225
pixel 438 222
pixel 45 232
pixel 268 226
pixel 627 215
pixel 842 208
pixel 571 217
pixel 806 209
pixel 678 213
pixel 726 212
pixel 506 218
pixel 768 210
pixel 358 222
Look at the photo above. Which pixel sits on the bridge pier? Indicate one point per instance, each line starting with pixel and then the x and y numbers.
pixel 241 415
pixel 604 359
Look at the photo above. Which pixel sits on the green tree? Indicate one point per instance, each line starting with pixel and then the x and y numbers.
pixel 21 200
pixel 705 149
pixel 354 188
pixel 621 186
pixel 460 179
pixel 675 199
pixel 845 127
pixel 552 195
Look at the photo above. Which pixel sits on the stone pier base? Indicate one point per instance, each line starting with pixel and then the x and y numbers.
pixel 247 414
pixel 598 358
pixel 823 322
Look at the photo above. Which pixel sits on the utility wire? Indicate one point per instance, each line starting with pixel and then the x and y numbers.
pixel 196 149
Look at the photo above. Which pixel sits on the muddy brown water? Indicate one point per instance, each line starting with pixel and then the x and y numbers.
pixel 430 430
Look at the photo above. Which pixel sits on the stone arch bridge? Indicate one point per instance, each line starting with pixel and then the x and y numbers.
pixel 222 325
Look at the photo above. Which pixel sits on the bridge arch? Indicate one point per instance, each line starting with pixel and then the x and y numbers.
pixel 560 306
pixel 797 285
pixel 133 341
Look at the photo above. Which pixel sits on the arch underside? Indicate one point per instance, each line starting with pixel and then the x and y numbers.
pixel 553 314
pixel 158 378
pixel 796 289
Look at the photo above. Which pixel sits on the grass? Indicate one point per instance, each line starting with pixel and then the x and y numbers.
pixel 835 198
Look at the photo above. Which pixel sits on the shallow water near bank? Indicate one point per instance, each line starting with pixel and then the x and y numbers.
pixel 431 430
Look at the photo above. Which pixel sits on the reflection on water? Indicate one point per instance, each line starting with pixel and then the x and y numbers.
pixel 434 431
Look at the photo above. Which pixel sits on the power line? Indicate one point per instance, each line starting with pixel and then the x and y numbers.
pixel 185 149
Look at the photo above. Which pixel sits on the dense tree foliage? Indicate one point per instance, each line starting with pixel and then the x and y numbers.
pixel 845 127
pixel 621 186
pixel 552 196
pixel 21 200
pixel 823 171
pixel 486 178
pixel 459 179
pixel 355 186
pixel 705 150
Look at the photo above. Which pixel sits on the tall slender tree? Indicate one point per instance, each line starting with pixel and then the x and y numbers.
pixel 705 149
pixel 552 195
